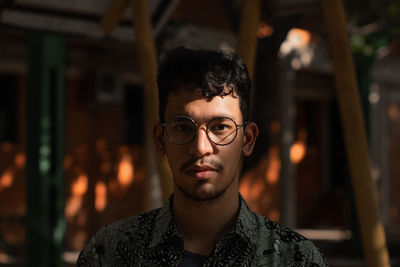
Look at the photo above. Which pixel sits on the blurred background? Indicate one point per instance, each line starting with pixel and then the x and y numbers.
pixel 73 145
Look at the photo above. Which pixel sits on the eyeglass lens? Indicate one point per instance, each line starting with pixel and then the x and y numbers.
pixel 182 130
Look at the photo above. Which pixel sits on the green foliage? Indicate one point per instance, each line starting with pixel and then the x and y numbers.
pixel 366 45
pixel 393 13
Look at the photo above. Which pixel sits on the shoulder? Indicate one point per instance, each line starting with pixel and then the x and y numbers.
pixel 104 244
pixel 287 246
pixel 128 228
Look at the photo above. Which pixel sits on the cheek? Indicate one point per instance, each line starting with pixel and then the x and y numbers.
pixel 231 155
pixel 174 156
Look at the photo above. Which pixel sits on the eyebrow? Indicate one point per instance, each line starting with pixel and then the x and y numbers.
pixel 207 119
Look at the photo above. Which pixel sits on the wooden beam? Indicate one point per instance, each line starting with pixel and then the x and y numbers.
pixel 113 15
pixel 173 4
pixel 148 65
pixel 247 40
pixel 373 234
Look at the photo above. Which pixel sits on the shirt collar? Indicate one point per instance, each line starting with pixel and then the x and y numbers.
pixel 165 228
pixel 247 226
pixel 164 223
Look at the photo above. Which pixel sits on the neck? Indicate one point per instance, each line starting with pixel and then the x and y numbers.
pixel 201 223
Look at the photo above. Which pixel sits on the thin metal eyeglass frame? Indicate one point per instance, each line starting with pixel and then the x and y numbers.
pixel 164 125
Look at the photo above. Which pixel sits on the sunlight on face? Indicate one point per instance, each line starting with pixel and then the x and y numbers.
pixel 203 170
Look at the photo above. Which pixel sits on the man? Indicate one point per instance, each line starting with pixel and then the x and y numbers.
pixel 204 132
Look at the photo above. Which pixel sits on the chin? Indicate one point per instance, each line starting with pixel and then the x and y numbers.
pixel 203 195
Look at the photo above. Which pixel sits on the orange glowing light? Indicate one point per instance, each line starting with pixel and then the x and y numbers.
pixel 20 160
pixel 264 30
pixel 274 166
pixel 73 205
pixel 125 171
pixel 297 152
pixel 7 179
pixel 101 196
pixel 299 37
pixel 80 186
pixel 272 174
pixel 259 185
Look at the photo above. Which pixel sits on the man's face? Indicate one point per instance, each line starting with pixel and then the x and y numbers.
pixel 203 170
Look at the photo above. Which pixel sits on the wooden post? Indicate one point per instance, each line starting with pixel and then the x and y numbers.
pixel 247 40
pixel 148 66
pixel 373 235
pixel 113 15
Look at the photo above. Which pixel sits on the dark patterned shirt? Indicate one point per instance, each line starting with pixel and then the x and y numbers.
pixel 151 239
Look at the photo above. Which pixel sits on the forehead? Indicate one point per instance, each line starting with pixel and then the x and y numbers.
pixel 201 109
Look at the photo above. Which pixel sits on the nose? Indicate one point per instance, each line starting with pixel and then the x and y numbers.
pixel 201 145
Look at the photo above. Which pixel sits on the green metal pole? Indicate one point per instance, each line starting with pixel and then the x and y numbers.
pixel 45 147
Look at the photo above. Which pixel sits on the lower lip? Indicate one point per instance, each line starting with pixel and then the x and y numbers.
pixel 201 174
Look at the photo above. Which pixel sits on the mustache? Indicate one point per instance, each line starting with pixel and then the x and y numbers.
pixel 193 162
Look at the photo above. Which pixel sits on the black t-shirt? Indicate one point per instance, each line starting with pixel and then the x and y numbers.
pixel 192 260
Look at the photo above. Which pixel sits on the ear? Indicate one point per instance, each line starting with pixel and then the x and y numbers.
pixel 158 133
pixel 250 136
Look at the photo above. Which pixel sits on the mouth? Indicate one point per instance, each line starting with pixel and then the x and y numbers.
pixel 201 171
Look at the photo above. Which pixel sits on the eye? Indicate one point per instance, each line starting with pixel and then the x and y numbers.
pixel 220 127
pixel 182 127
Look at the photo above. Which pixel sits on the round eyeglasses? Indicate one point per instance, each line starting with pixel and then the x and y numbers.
pixel 220 131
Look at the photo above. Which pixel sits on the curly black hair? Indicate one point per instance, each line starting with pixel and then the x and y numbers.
pixel 210 73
